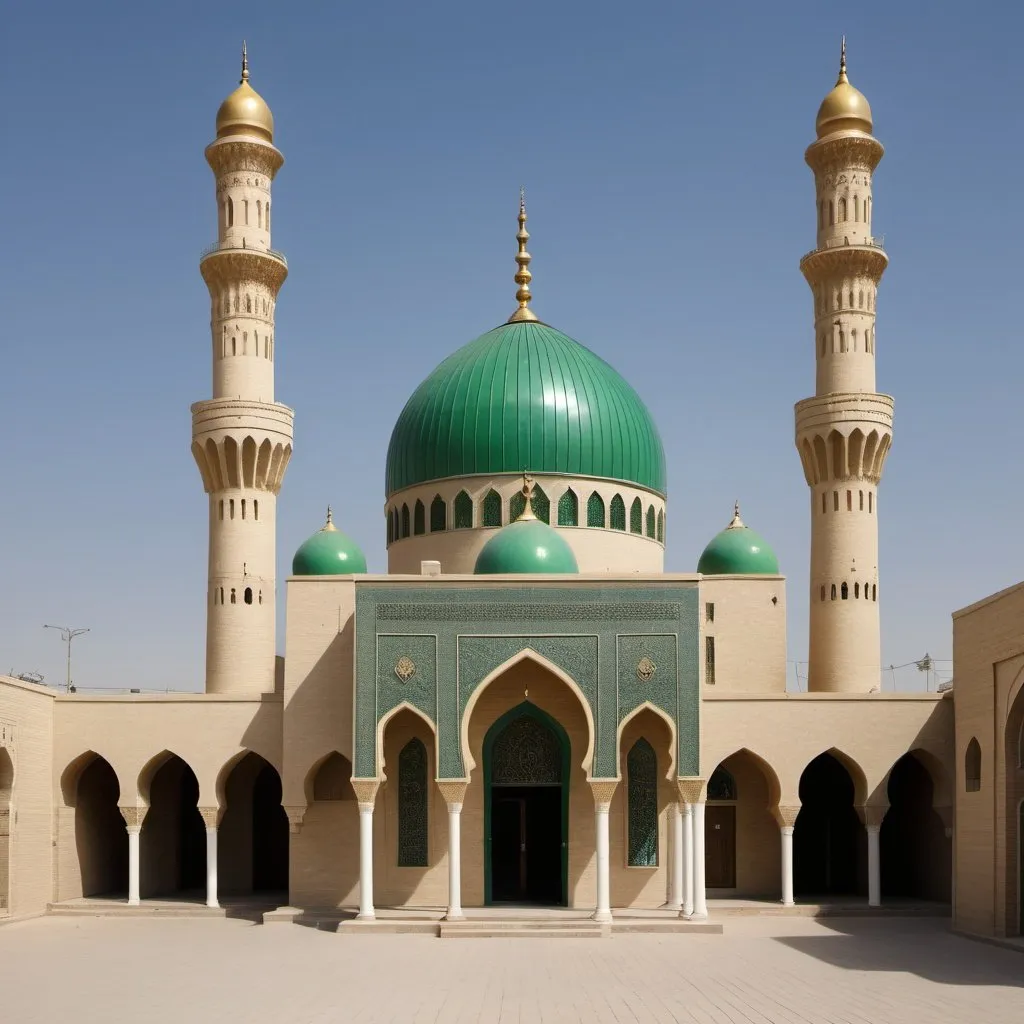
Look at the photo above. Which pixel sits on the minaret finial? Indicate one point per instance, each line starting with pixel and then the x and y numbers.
pixel 527 512
pixel 329 526
pixel 737 523
pixel 523 276
pixel 245 64
pixel 842 63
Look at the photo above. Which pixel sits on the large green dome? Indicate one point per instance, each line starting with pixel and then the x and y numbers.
pixel 329 552
pixel 738 551
pixel 525 397
pixel 527 545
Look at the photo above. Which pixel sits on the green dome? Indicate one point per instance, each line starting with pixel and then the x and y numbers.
pixel 525 396
pixel 527 545
pixel 329 552
pixel 739 551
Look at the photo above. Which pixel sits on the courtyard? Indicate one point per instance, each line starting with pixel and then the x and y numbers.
pixel 766 970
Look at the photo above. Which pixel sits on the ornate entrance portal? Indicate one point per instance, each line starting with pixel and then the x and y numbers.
pixel 526 777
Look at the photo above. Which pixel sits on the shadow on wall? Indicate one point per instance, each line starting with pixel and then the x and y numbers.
pixel 924 947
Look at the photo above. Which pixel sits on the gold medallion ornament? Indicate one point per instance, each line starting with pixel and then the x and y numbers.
pixel 645 669
pixel 405 668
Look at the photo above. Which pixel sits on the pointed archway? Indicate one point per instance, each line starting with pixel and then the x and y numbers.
pixel 1013 753
pixel 6 786
pixel 91 787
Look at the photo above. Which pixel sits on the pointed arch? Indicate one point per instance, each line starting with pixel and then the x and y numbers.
pixel 405 521
pixel 636 516
pixel 722 785
pixel 419 519
pixel 382 725
pixel 855 448
pixel 972 766
pixel 821 457
pixel 413 805
pixel 72 774
pixel 438 514
pixel 837 449
pixel 666 718
pixel 263 464
pixel 764 767
pixel 807 458
pixel 231 461
pixel 595 510
pixel 569 509
pixel 329 778
pixel 661 526
pixel 248 462
pixel 462 511
pixel 526 654
pixel 225 770
pixel 199 454
pixel 617 513
pixel 642 805
pixel 541 504
pixel 652 529
pixel 853 769
pixel 491 509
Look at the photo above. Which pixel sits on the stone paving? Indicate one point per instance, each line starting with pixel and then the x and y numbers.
pixel 763 970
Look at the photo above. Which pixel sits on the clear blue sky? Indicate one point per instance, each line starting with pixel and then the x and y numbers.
pixel 662 150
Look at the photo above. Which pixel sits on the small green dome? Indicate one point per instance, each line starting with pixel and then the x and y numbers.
pixel 738 551
pixel 527 545
pixel 329 552
pixel 521 395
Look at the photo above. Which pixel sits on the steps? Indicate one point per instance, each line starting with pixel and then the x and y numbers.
pixel 523 928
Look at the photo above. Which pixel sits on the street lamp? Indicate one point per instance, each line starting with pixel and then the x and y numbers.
pixel 67 634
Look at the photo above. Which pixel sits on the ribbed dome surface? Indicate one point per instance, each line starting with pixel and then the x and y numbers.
pixel 525 397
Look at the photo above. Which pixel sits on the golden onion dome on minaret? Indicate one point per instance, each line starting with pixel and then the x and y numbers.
pixel 844 108
pixel 245 111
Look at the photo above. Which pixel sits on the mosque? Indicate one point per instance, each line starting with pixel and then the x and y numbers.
pixel 527 709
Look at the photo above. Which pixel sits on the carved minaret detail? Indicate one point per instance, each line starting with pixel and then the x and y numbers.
pixel 242 438
pixel 844 432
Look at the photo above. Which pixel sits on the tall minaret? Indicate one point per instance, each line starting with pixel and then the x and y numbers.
pixel 843 433
pixel 242 438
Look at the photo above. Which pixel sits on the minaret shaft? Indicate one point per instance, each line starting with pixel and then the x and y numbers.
pixel 844 432
pixel 242 438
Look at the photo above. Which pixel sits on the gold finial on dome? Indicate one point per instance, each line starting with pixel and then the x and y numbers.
pixel 844 108
pixel 245 112
pixel 527 512
pixel 737 523
pixel 329 526
pixel 523 276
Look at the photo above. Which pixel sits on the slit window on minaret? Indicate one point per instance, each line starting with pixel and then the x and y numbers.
pixel 856 208
pixel 835 501
pixel 221 595
pixel 849 501
pixel 709 660
pixel 247 596
pixel 844 591
pixel 268 215
pixel 823 591
pixel 233 595
pixel 833 591
pixel 862 501
pixel 261 597
pixel 831 213
pixel 231 507
pixel 853 335
pixel 870 502
pixel 243 508
pixel 255 509
pixel 245 211
pixel 233 347
pixel 842 209
pixel 856 590
pixel 221 508
pixel 231 213
pixel 874 591
pixel 824 498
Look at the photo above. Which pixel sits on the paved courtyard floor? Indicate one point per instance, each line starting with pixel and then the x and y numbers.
pixel 764 970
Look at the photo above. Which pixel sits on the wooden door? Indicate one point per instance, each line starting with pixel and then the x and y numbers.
pixel 720 846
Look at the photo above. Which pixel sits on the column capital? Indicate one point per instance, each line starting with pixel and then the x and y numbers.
pixel 133 816
pixel 211 816
pixel 692 790
pixel 453 791
pixel 295 813
pixel 785 815
pixel 366 792
pixel 603 790
pixel 872 815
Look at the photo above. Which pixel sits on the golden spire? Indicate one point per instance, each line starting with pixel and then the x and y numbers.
pixel 523 276
pixel 844 108
pixel 329 526
pixel 842 63
pixel 737 523
pixel 527 512
pixel 245 65
pixel 245 112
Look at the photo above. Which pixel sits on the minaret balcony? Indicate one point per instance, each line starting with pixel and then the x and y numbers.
pixel 865 256
pixel 227 264
pixel 210 250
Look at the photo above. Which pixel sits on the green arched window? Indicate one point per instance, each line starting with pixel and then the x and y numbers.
pixel 419 518
pixel 642 771
pixel 721 785
pixel 516 504
pixel 618 513
pixel 661 526
pixel 595 510
pixel 394 523
pixel 413 796
pixel 438 514
pixel 390 532
pixel 650 522
pixel 405 521
pixel 541 504
pixel 463 511
pixel 569 509
pixel 636 516
pixel 492 509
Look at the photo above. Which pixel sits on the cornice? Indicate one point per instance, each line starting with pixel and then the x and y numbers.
pixel 843 151
pixel 864 260
pixel 240 154
pixel 221 267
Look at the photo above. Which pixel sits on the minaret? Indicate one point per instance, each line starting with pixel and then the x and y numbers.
pixel 242 438
pixel 843 433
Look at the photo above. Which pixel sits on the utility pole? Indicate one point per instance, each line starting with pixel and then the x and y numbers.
pixel 67 634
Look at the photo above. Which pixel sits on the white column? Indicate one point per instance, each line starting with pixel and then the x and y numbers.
pixel 874 868
pixel 700 903
pixel 786 832
pixel 675 900
pixel 604 908
pixel 211 866
pixel 365 863
pixel 455 862
pixel 133 864
pixel 686 818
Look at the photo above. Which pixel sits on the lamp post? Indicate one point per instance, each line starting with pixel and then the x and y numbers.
pixel 67 634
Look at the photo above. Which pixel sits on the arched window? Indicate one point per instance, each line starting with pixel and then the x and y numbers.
pixel 492 509
pixel 516 506
pixel 835 501
pixel 831 213
pixel 870 501
pixel 391 533
pixel 661 526
pixel 874 591
pixel 833 591
pixel 862 501
pixel 842 209
pixel 824 497
pixel 636 516
pixel 823 591
pixel 541 504
pixel 642 794
pixel 394 524
pixel 233 351
pixel 849 501
pixel 595 510
pixel 419 518
pixel 618 513
pixel 856 589
pixel 856 208
pixel 245 211
pixel 222 508
pixel 268 214
pixel 259 213
pixel 405 521
pixel 231 508
pixel 721 785
pixel 247 596
pixel 652 529
pixel 860 299
pixel 438 512
pixel 413 796
pixel 463 511
pixel 221 595
pixel 255 509
pixel 972 766
pixel 844 591
pixel 232 595
pixel 231 213
pixel 569 509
